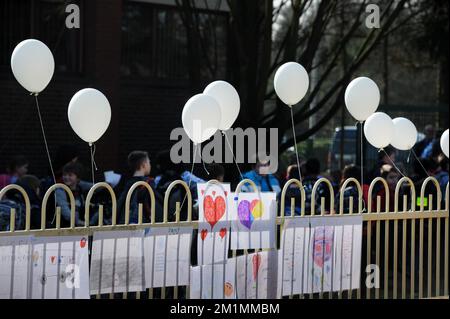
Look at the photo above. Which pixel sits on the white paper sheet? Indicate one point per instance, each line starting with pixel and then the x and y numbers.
pixel 214 223
pixel 336 244
pixel 117 262
pixel 293 257
pixel 14 267
pixel 256 275
pixel 213 281
pixel 60 267
pixel 253 220
pixel 167 253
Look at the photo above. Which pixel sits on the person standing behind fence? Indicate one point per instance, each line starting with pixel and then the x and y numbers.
pixel 72 173
pixel 17 167
pixel 265 181
pixel 139 164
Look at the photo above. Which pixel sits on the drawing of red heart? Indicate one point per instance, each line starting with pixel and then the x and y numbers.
pixel 213 209
pixel 52 259
pixel 256 263
pixel 214 193
pixel 203 234
pixel 223 232
pixel 83 242
pixel 203 192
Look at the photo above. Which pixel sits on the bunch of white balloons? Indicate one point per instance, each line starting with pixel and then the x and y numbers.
pixel 362 98
pixel 217 108
pixel 89 111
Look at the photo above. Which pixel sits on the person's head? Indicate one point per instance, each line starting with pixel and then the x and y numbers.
pixel 351 171
pixel 262 167
pixel 429 132
pixel 216 171
pixel 313 167
pixel 292 172
pixel 72 173
pixel 18 166
pixel 388 156
pixel 65 154
pixel 390 174
pixel 139 163
pixel 32 182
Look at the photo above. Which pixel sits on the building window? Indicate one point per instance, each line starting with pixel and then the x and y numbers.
pixel 43 20
pixel 155 42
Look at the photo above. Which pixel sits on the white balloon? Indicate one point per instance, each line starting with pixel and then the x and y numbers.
pixel 379 129
pixel 89 114
pixel 362 98
pixel 444 143
pixel 291 83
pixel 405 134
pixel 228 98
pixel 32 65
pixel 201 117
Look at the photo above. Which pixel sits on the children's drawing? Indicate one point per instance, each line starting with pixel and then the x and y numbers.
pixel 253 220
pixel 214 225
pixel 59 268
pixel 167 256
pixel 117 262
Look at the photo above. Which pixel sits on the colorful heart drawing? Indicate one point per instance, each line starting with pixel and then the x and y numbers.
pixel 256 263
pixel 83 242
pixel 213 209
pixel 203 234
pixel 248 212
pixel 223 232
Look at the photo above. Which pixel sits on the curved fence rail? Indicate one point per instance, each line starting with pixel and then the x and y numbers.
pixel 405 235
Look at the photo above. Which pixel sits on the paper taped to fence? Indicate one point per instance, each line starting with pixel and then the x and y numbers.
pixel 213 281
pixel 253 220
pixel 320 254
pixel 293 274
pixel 15 267
pixel 214 223
pixel 167 254
pixel 60 267
pixel 117 262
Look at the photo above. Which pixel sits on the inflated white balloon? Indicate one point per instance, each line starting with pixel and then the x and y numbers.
pixel 89 114
pixel 291 83
pixel 228 98
pixel 444 143
pixel 32 65
pixel 405 134
pixel 201 117
pixel 362 98
pixel 379 130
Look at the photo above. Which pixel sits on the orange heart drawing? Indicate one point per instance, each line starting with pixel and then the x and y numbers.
pixel 52 259
pixel 203 234
pixel 223 232
pixel 213 209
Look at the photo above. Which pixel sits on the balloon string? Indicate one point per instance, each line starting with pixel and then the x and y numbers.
pixel 393 164
pixel 190 175
pixel 45 139
pixel 47 150
pixel 295 145
pixel 234 157
pixel 93 164
pixel 362 161
pixel 417 158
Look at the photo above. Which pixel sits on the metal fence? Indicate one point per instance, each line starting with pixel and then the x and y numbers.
pixel 407 244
